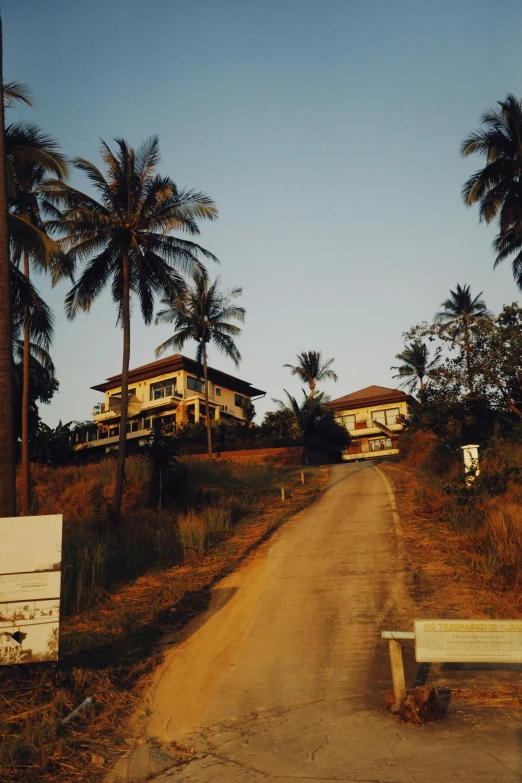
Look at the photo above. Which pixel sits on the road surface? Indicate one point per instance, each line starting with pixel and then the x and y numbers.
pixel 283 678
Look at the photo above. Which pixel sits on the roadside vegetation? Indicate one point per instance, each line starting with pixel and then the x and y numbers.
pixel 124 589
pixel 465 369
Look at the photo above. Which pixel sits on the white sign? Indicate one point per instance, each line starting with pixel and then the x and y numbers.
pixel 30 576
pixel 462 641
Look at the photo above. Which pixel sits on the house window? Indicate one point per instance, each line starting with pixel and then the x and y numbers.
pixel 147 424
pixel 238 400
pixel 113 431
pixel 195 384
pixel 163 389
pixel 218 392
pixel 348 421
pixel 387 417
pixel 380 444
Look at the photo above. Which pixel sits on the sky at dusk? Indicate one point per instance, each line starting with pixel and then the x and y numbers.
pixel 328 134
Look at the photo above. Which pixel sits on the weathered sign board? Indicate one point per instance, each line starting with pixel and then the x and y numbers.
pixel 30 576
pixel 467 641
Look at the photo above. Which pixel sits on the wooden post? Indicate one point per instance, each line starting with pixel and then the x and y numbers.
pixel 282 493
pixel 302 477
pixel 397 670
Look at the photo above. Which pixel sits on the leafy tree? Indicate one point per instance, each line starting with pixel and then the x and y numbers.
pixel 494 355
pixel 202 313
pixel 415 365
pixel 458 312
pixel 312 369
pixel 54 445
pixel 125 238
pixel 496 187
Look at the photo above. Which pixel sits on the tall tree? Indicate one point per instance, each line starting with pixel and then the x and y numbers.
pixel 125 238
pixel 7 455
pixel 496 188
pixel 24 148
pixel 203 313
pixel 458 312
pixel 415 365
pixel 31 242
pixel 32 331
pixel 312 369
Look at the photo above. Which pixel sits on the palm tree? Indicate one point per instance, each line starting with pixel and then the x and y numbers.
pixel 459 312
pixel 125 237
pixel 20 144
pixel 311 368
pixel 34 320
pixel 31 241
pixel 415 365
pixel 298 419
pixel 249 412
pixel 496 187
pixel 203 313
pixel 7 455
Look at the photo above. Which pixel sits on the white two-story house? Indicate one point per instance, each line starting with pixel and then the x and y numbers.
pixel 169 391
pixel 374 416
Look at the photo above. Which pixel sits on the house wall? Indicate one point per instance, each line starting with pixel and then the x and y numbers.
pixel 143 392
pixel 362 437
pixel 365 414
pixel 143 389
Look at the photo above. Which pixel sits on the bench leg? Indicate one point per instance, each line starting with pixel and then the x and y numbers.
pixel 397 670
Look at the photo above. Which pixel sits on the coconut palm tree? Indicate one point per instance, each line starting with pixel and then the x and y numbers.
pixel 298 419
pixel 203 312
pixel 311 368
pixel 496 187
pixel 415 365
pixel 31 242
pixel 31 316
pixel 125 238
pixel 7 455
pixel 458 313
pixel 21 144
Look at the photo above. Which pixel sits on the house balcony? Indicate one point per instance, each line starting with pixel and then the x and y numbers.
pixel 370 450
pixel 104 414
pixel 370 427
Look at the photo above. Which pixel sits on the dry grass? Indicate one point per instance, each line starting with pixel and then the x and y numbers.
pixel 71 490
pixel 451 566
pixel 109 651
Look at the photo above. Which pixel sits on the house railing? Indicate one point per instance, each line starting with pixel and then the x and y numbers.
pixel 372 447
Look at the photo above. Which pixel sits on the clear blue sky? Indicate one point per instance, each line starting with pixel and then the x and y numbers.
pixel 328 133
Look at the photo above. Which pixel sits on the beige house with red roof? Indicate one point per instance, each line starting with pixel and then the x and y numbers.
pixel 170 392
pixel 373 416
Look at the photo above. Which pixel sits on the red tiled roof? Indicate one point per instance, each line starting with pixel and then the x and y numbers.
pixel 173 364
pixel 370 395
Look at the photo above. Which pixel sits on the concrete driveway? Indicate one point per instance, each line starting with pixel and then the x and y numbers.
pixel 283 678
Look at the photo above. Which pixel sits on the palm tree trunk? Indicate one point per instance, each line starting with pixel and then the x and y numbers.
pixel 7 457
pixel 120 466
pixel 205 376
pixel 468 358
pixel 26 470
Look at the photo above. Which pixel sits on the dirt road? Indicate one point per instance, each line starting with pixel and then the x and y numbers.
pixel 283 678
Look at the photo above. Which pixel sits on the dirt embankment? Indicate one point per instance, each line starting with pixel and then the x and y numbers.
pixel 446 581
